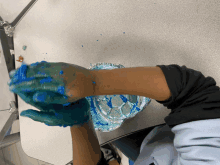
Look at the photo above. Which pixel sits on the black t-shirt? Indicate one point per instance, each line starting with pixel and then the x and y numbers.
pixel 194 96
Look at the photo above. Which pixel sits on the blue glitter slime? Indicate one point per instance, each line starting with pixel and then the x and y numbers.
pixel 20 76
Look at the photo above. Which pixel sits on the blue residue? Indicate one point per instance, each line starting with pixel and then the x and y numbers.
pixel 61 72
pixel 61 90
pixel 93 82
pixel 109 103
pixel 43 62
pixel 124 99
pixel 99 123
pixel 40 97
pixel 24 47
pixel 19 80
pixel 132 109
pixel 41 73
pixel 66 104
pixel 20 75
pixel 27 90
pixel 59 116
pixel 92 106
pixel 138 109
pixel 48 79
pixel 35 64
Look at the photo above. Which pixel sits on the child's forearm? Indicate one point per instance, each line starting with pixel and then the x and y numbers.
pixel 143 81
pixel 86 148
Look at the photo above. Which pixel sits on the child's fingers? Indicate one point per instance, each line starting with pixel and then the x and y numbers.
pixel 36 84
pixel 12 73
pixel 49 97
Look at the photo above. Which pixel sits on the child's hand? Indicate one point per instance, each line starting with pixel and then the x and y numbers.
pixel 71 81
pixel 75 114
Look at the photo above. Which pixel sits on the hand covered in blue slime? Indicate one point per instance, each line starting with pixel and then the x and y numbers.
pixel 51 113
pixel 73 82
pixel 75 114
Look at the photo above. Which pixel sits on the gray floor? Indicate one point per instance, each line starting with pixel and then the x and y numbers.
pixel 14 154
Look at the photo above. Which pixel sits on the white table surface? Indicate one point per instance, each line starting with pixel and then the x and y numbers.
pixel 156 32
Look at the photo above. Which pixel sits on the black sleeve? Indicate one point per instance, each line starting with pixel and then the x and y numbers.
pixel 102 161
pixel 194 96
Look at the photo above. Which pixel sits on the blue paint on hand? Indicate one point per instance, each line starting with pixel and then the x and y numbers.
pixel 12 73
pixel 61 90
pixel 40 97
pixel 41 73
pixel 61 72
pixel 59 116
pixel 23 113
pixel 43 62
pixel 47 101
pixel 48 79
pixel 35 64
pixel 26 90
pixel 66 104
pixel 20 80
pixel 21 74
